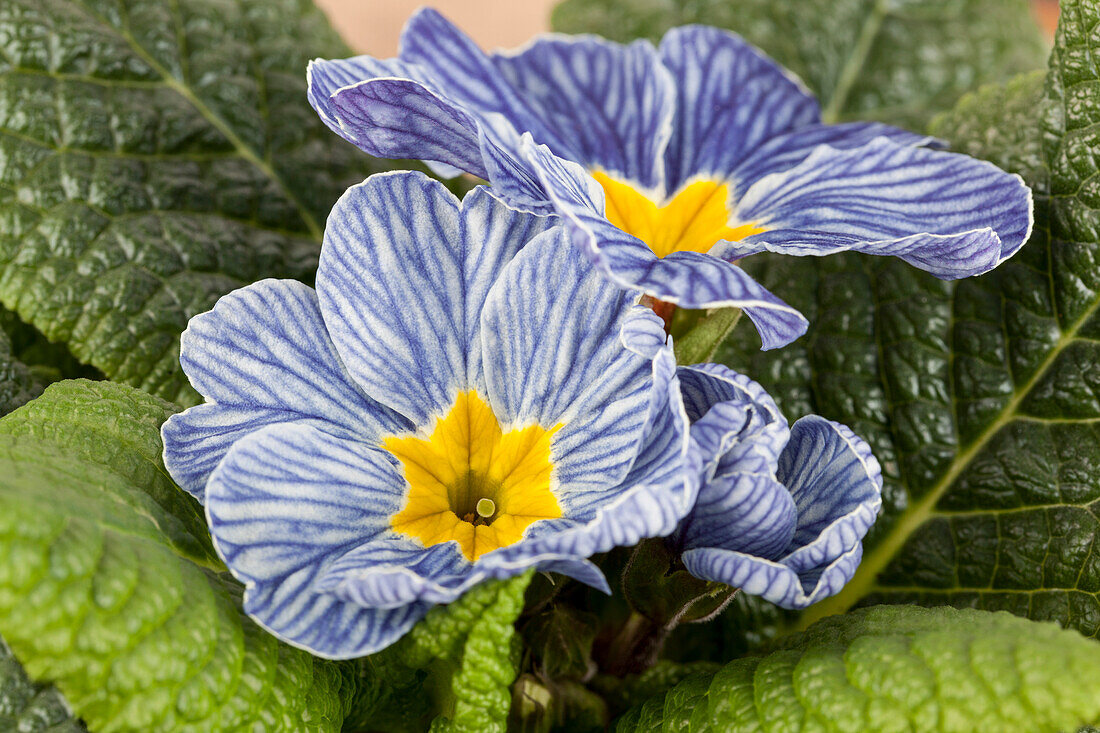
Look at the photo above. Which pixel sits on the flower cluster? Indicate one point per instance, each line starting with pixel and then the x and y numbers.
pixel 474 387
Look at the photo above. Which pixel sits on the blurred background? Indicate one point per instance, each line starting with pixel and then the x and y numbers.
pixel 373 26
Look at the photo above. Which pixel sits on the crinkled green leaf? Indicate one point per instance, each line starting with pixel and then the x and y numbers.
pixel 979 398
pixel 456 666
pixel 895 60
pixel 18 384
pixel 895 668
pixel 107 592
pixel 118 428
pixel 153 156
pixel 27 707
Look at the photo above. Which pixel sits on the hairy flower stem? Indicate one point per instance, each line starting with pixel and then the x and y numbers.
pixel 662 595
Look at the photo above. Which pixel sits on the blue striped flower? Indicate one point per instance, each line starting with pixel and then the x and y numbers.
pixel 670 163
pixel 461 398
pixel 781 512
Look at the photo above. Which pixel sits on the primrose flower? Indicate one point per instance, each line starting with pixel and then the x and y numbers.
pixel 670 163
pixel 781 512
pixel 461 398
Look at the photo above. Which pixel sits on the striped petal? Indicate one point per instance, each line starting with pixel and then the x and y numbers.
pixel 196 440
pixel 401 118
pixel 554 358
pixel 262 356
pixel 730 98
pixel 650 501
pixel 746 510
pixel 835 485
pixel 688 279
pixel 609 106
pixel 283 504
pixel 949 214
pixel 772 581
pixel 785 151
pixel 403 272
pixel 324 77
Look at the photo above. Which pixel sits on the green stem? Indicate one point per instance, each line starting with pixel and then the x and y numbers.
pixel 701 343
pixel 854 65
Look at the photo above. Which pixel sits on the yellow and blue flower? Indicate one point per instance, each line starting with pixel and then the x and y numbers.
pixel 782 511
pixel 461 398
pixel 670 163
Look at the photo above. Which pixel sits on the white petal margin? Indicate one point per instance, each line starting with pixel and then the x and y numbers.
pixel 262 355
pixel 394 572
pixel 553 356
pixel 403 273
pixel 836 484
pixel 687 279
pixel 286 502
pixel 946 213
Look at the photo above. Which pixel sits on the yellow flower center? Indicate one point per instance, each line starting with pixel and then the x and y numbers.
pixel 694 219
pixel 472 482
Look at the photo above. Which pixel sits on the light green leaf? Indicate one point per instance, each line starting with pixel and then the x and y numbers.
pixel 979 398
pixel 153 156
pixel 895 668
pixel 27 707
pixel 898 61
pixel 108 592
pixel 455 666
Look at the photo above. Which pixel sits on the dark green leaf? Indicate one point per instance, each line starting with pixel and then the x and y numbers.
pixel 18 384
pixel 154 156
pixel 980 398
pixel 895 668
pixel 561 639
pixel 107 591
pixel 895 60
pixel 27 707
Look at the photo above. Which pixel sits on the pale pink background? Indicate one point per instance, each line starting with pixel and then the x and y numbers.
pixel 373 26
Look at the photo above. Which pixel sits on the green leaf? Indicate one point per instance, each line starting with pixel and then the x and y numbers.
pixel 154 156
pixel 18 384
pixel 561 638
pixel 456 665
pixel 28 707
pixel 108 591
pixel 979 398
pixel 894 60
pixel 895 668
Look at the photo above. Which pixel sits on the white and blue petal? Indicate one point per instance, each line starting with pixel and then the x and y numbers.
pixel 324 77
pixel 263 356
pixel 549 358
pixel 785 151
pixel 608 106
pixel 650 501
pixel 730 99
pixel 687 279
pixel 402 118
pixel 949 214
pixel 835 485
pixel 403 272
pixel 283 503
